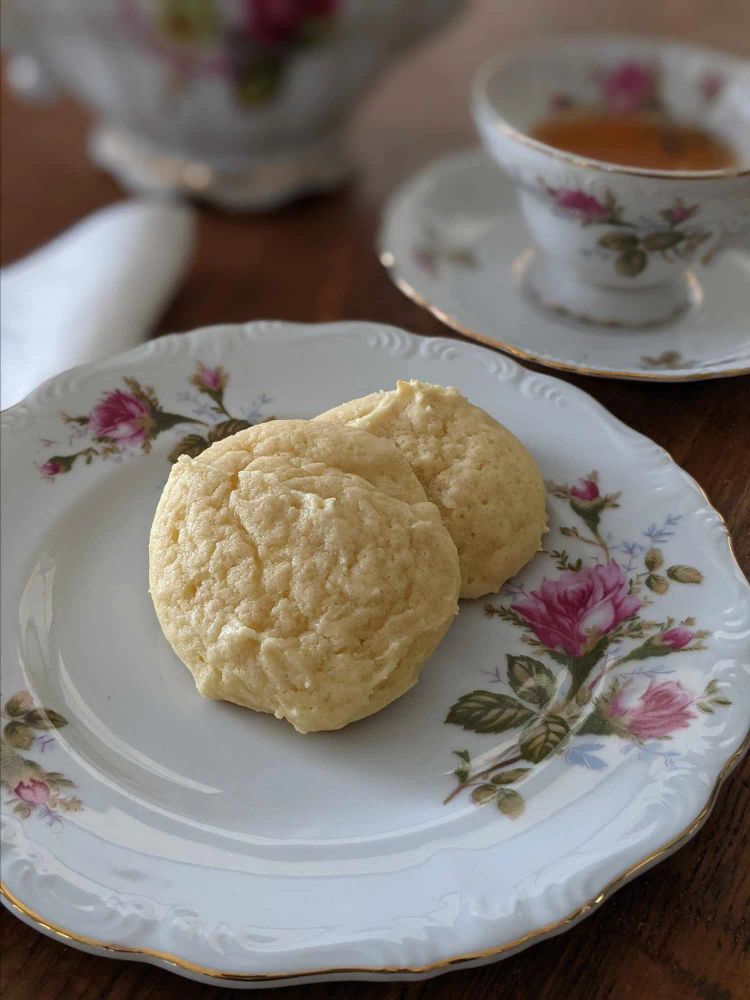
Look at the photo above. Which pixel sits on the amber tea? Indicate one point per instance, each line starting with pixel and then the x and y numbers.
pixel 637 140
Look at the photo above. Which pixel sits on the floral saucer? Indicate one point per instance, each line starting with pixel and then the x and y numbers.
pixel 568 733
pixel 453 239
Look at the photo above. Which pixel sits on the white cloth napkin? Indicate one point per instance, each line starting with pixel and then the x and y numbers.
pixel 93 291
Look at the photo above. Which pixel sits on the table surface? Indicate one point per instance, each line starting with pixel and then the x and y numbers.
pixel 681 930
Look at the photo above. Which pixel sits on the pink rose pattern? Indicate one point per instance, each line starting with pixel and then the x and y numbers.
pixel 211 378
pixel 632 243
pixel 573 619
pixel 279 22
pixel 678 637
pixel 632 86
pixel 247 42
pixel 661 710
pixel 629 87
pixel 120 416
pixel 127 420
pixel 34 791
pixel 579 629
pixel 626 88
pixel 569 614
pixel 50 469
pixel 585 206
pixel 678 212
pixel 585 489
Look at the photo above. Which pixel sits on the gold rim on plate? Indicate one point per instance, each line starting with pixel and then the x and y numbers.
pixel 14 903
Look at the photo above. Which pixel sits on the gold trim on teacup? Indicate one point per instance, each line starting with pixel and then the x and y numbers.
pixel 388 260
pixel 480 96
pixel 49 927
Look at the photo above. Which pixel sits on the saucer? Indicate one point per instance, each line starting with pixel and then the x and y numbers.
pixel 454 240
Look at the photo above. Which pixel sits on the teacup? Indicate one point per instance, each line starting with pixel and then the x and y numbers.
pixel 240 102
pixel 617 245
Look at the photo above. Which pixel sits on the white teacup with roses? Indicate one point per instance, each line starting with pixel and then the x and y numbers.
pixel 617 245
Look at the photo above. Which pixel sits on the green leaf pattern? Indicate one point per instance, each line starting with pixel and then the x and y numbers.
pixel 32 789
pixel 211 384
pixel 488 712
pixel 206 39
pixel 531 680
pixel 671 235
pixel 543 737
pixel 570 687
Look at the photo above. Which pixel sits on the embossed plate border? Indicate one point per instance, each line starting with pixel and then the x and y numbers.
pixel 398 345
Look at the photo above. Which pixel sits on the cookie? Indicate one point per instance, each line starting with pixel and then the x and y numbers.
pixel 486 485
pixel 297 568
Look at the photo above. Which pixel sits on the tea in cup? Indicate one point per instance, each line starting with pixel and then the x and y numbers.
pixel 631 158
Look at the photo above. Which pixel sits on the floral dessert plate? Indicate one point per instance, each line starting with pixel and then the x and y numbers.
pixel 568 733
pixel 453 239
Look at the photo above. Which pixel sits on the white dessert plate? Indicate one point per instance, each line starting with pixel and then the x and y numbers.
pixel 568 733
pixel 453 239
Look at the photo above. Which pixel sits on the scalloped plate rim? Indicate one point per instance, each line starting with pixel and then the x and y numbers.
pixel 30 407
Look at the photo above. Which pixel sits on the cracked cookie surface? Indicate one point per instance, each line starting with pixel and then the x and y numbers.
pixel 297 568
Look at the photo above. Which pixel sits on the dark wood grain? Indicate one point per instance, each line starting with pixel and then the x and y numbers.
pixel 681 931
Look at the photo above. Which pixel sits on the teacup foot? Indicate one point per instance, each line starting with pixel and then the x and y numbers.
pixel 555 289
pixel 259 185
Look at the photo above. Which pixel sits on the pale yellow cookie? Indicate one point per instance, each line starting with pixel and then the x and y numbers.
pixel 298 569
pixel 486 485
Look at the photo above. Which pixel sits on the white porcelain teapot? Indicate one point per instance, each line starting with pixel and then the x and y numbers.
pixel 239 102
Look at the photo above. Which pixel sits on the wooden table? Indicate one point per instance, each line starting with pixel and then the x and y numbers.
pixel 680 931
